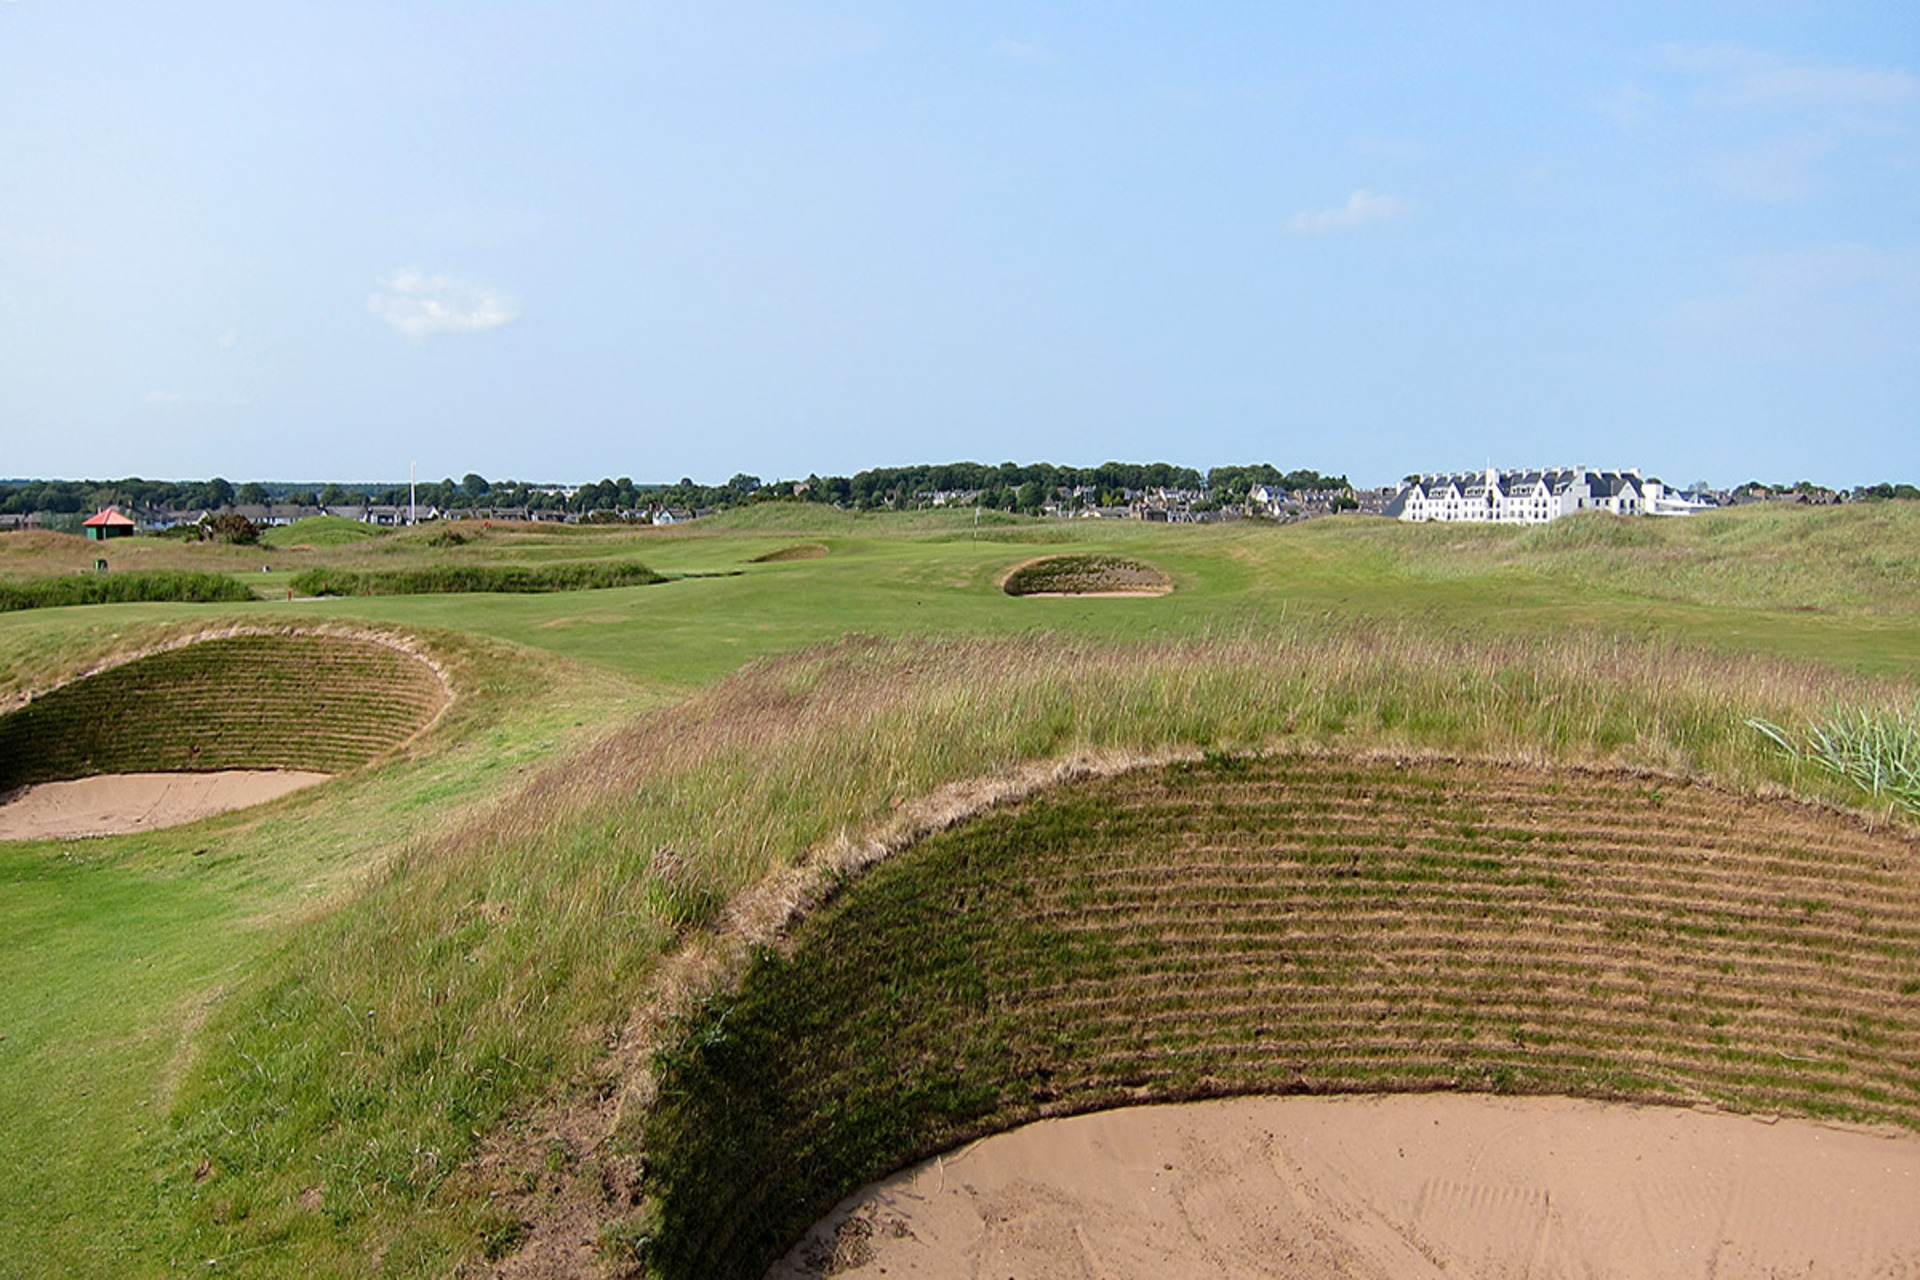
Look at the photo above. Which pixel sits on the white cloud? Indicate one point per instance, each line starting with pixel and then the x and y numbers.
pixel 1739 77
pixel 1361 207
pixel 418 306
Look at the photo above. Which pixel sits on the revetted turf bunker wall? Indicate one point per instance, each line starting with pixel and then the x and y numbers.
pixel 269 701
pixel 1292 925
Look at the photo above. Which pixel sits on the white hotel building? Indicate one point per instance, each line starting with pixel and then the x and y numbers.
pixel 1535 497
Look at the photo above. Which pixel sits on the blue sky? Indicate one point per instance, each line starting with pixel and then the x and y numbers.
pixel 565 241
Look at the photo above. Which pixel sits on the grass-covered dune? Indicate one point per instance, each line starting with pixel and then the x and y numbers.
pixel 267 700
pixel 1301 923
pixel 320 531
pixel 1862 558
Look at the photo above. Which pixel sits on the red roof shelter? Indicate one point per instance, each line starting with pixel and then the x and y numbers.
pixel 108 524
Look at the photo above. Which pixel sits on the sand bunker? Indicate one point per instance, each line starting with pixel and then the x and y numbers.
pixel 1085 575
pixel 113 804
pixel 1396 1186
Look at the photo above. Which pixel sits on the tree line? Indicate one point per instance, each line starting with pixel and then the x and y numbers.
pixel 1007 485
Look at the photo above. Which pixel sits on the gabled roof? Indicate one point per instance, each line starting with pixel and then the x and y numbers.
pixel 106 518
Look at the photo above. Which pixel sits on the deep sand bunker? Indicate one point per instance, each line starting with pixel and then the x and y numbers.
pixel 1307 924
pixel 117 803
pixel 1086 575
pixel 1411 1186
pixel 206 725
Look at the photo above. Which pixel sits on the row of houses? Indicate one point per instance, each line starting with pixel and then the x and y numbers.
pixel 1493 496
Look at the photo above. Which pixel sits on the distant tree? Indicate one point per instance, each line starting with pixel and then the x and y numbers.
pixel 303 498
pixel 474 485
pixel 742 484
pixel 231 526
pixel 333 496
pixel 252 494
pixel 219 493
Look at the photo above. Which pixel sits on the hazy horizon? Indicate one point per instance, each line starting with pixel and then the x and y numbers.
pixel 678 240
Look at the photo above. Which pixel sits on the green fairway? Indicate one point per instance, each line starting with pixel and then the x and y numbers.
pixel 288 1032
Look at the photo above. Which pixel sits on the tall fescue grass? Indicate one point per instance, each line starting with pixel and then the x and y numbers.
pixel 1859 559
pixel 178 585
pixel 488 967
pixel 448 578
pixel 1877 751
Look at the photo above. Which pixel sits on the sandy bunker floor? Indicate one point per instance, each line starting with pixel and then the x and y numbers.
pixel 1400 1186
pixel 113 804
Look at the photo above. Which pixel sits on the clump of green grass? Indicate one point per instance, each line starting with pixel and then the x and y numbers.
pixel 177 585
pixel 1877 751
pixel 447 579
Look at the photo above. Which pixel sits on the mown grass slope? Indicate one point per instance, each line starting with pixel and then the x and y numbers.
pixel 253 701
pixel 1302 923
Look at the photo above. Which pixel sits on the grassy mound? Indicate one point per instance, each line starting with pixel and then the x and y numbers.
pixel 320 531
pixel 448 579
pixel 1078 575
pixel 1861 559
pixel 121 588
pixel 1296 924
pixel 299 701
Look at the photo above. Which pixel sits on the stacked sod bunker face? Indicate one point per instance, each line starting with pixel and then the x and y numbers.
pixel 1294 924
pixel 1086 575
pixel 316 701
